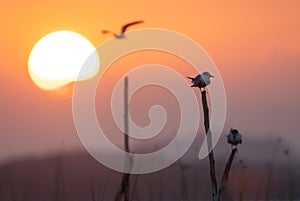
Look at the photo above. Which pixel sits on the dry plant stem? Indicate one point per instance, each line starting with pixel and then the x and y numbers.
pixel 11 189
pixel 59 181
pixel 290 178
pixel 124 190
pixel 183 182
pixel 226 174
pixel 266 183
pixel 106 185
pixel 93 190
pixel 133 187
pixel 209 146
pixel 126 176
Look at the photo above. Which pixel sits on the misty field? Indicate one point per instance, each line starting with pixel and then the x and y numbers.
pixel 262 170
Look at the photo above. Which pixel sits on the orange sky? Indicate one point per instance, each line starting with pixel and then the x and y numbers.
pixel 251 43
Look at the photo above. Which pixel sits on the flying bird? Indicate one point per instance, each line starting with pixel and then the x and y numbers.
pixel 123 30
pixel 234 137
pixel 201 80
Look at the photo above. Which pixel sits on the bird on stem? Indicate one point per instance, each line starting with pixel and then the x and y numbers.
pixel 123 30
pixel 201 80
pixel 234 137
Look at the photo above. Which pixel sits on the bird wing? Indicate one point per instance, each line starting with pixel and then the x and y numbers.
pixel 129 24
pixel 230 138
pixel 106 32
pixel 199 81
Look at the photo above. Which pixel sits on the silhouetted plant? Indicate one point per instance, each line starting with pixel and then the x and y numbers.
pixel 234 138
pixel 289 172
pixel 266 181
pixel 124 189
pixel 93 189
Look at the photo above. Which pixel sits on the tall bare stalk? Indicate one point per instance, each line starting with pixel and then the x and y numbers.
pixel 216 195
pixel 124 188
pixel 212 168
pixel 226 174
pixel 93 189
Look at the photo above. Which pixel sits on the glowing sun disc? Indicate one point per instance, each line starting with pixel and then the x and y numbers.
pixel 57 58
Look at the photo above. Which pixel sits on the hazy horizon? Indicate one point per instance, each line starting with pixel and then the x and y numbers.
pixel 254 45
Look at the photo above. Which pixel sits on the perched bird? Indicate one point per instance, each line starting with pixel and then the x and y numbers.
pixel 201 80
pixel 234 137
pixel 124 28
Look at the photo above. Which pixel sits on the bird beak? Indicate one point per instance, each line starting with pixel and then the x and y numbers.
pixel 211 76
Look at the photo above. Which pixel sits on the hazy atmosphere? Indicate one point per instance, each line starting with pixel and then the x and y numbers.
pixel 254 45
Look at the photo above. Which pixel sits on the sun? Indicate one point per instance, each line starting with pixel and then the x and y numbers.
pixel 60 58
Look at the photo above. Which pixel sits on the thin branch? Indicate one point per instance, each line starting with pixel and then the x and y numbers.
pixel 183 182
pixel 134 187
pixel 212 168
pixel 93 189
pixel 106 185
pixel 226 174
pixel 124 190
pixel 126 140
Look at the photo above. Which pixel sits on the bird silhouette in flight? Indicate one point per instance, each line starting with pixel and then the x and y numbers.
pixel 201 80
pixel 123 30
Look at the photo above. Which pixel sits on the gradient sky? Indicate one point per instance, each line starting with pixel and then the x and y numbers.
pixel 254 44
